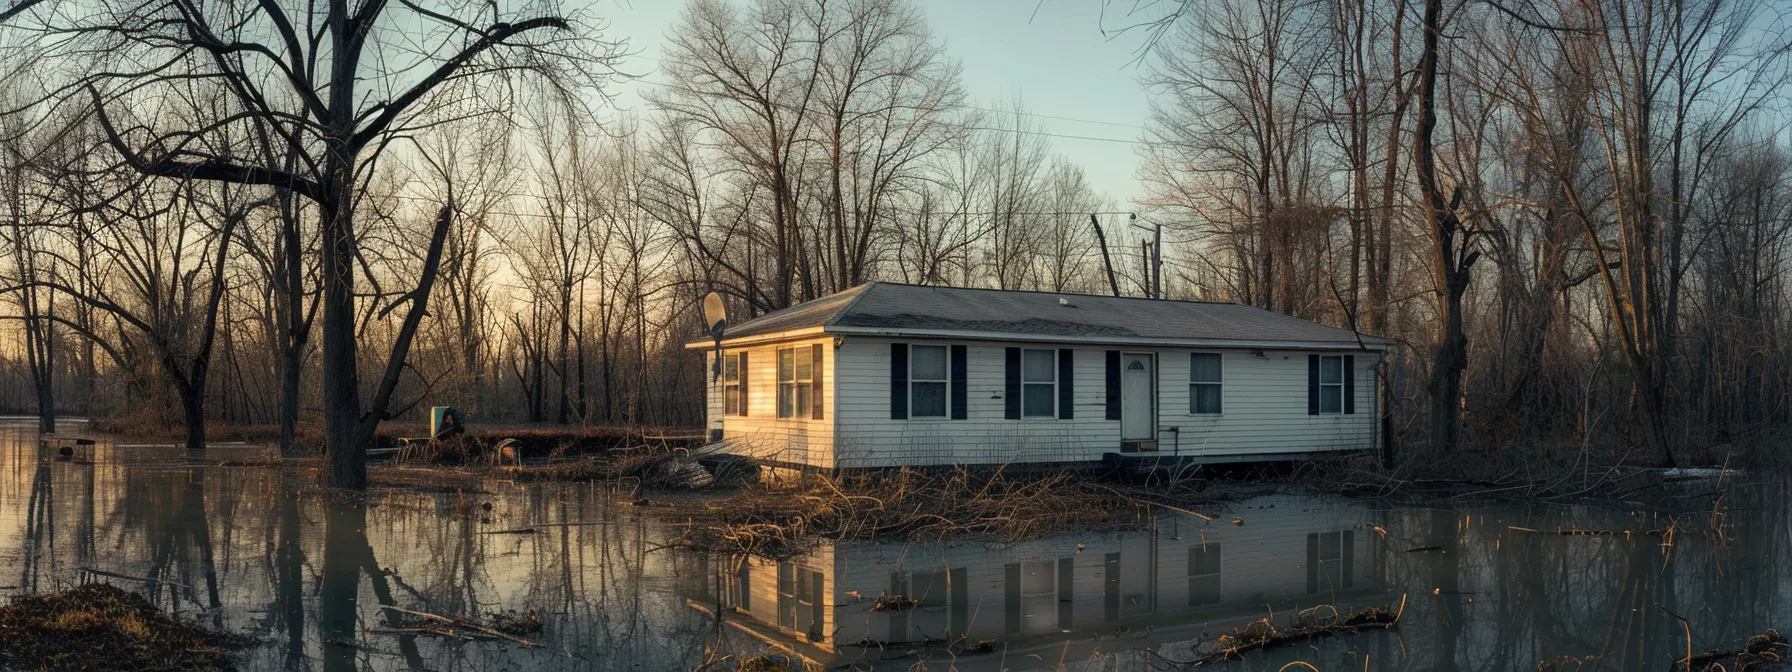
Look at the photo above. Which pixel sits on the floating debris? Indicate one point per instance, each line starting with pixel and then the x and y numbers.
pixel 894 603
pixel 1310 624
pixel 1766 651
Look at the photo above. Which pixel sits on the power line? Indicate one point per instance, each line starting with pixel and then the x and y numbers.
pixel 1049 116
pixel 1058 135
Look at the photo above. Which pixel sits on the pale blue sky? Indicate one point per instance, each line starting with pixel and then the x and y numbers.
pixel 1049 53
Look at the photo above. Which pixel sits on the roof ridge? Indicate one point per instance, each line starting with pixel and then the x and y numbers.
pixel 863 290
pixel 1065 293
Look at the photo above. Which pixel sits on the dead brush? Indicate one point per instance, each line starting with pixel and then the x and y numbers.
pixel 893 603
pixel 1766 651
pixel 783 520
pixel 454 450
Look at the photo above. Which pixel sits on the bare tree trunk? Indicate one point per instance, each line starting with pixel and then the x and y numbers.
pixel 1452 263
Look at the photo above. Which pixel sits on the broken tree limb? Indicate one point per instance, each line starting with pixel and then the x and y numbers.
pixel 463 624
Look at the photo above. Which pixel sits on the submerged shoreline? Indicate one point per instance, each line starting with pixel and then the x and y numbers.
pixel 1102 566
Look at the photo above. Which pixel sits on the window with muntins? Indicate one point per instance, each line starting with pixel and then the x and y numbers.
pixel 1330 557
pixel 1204 383
pixel 929 381
pixel 1039 383
pixel 796 383
pixel 1039 596
pixel 1331 384
pixel 733 402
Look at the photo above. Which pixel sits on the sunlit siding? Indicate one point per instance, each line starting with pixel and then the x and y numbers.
pixel 761 433
pixel 1264 410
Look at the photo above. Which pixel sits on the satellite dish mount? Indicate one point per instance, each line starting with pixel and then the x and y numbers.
pixel 715 314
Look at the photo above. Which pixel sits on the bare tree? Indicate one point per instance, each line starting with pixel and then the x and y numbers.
pixel 322 82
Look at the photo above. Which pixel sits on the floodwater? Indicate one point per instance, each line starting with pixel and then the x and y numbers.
pixel 1482 587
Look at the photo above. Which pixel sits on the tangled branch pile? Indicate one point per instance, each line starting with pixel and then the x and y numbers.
pixel 99 627
pixel 1766 651
pixel 785 520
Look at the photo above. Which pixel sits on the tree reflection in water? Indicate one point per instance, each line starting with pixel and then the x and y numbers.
pixel 258 551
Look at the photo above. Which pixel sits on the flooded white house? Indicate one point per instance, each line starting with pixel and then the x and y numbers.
pixel 889 374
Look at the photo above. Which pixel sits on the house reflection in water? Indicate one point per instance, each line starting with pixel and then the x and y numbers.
pixel 1211 575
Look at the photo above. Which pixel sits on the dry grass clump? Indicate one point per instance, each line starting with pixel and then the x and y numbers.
pixel 99 627
pixel 784 520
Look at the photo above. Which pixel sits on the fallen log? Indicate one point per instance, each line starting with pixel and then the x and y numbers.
pixel 462 623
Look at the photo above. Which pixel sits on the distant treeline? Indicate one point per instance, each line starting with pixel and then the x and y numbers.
pixel 1572 216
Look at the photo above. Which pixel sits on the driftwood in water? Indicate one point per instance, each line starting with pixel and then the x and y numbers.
pixel 1766 651
pixel 462 623
pixel 1264 634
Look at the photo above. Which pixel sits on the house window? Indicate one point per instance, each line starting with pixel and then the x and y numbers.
pixel 733 402
pixel 1331 384
pixel 796 383
pixel 1203 574
pixel 1204 383
pixel 1038 596
pixel 800 604
pixel 928 380
pixel 1329 561
pixel 1039 383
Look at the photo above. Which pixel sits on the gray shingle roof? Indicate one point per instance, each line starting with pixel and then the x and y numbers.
pixel 897 307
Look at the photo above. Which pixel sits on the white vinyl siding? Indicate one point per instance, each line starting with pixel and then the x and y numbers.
pixel 1265 409
pixel 760 433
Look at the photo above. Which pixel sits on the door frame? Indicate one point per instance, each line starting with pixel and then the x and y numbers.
pixel 1149 443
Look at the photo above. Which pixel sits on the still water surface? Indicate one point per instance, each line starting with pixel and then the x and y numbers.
pixel 1485 587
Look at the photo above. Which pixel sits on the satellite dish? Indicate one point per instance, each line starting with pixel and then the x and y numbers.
pixel 715 315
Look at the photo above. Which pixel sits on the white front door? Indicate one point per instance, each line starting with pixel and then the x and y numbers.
pixel 1138 408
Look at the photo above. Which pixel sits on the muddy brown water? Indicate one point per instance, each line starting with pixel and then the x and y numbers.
pixel 1484 586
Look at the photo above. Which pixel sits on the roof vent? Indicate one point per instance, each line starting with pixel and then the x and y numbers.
pixel 1064 302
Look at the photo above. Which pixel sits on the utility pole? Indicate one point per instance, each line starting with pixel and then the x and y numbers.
pixel 1107 262
pixel 1145 263
pixel 1157 261
pixel 1153 258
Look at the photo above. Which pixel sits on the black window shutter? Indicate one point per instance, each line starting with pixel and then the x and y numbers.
pixel 1312 384
pixel 1312 559
pixel 818 385
pixel 1066 592
pixel 1066 384
pixel 1113 385
pixel 898 381
pixel 743 383
pixel 960 372
pixel 1349 383
pixel 1011 386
